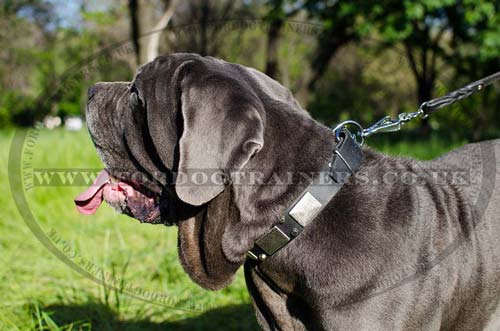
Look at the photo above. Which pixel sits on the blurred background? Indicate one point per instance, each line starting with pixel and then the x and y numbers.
pixel 341 59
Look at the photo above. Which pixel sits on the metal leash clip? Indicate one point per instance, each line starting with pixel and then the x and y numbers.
pixel 388 124
pixel 385 124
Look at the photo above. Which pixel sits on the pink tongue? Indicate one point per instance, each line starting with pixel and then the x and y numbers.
pixel 88 201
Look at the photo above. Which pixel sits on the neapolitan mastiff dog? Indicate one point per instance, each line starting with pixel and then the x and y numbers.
pixel 385 254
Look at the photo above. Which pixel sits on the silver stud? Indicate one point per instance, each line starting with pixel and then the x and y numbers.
pixel 282 219
pixel 480 87
pixel 294 232
pixel 262 257
pixel 306 209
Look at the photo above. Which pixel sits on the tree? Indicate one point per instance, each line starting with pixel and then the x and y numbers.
pixel 145 33
pixel 478 35
pixel 203 24
pixel 339 20
pixel 26 38
pixel 432 33
pixel 276 18
pixel 154 39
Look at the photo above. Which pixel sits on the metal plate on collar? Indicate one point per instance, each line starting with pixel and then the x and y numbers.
pixel 273 241
pixel 306 209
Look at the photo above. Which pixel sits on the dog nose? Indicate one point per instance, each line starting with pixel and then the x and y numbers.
pixel 91 92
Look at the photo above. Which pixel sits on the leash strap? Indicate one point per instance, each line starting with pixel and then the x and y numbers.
pixel 431 106
pixel 388 124
pixel 346 161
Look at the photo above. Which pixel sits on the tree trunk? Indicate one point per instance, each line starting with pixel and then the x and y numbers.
pixel 329 43
pixel 154 38
pixel 273 39
pixel 481 119
pixel 145 35
pixel 319 65
pixel 134 28
pixel 205 12
pixel 424 88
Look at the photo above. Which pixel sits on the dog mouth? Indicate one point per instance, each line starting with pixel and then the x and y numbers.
pixel 125 197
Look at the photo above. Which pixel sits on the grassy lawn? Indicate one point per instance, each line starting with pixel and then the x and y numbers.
pixel 40 292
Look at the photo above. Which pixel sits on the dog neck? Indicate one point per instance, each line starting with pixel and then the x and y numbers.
pixel 285 168
pixel 308 149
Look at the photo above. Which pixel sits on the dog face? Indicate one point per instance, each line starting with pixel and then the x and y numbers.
pixel 146 130
pixel 136 181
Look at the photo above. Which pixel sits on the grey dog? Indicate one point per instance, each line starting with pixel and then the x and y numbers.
pixel 403 246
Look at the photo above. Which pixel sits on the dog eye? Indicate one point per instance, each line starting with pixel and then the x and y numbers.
pixel 134 100
pixel 132 88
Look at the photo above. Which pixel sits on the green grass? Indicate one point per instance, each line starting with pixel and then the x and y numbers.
pixel 40 292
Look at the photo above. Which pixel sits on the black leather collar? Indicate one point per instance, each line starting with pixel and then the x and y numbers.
pixel 346 161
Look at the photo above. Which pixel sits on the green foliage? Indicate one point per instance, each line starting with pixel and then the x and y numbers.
pixel 365 84
pixel 335 73
pixel 52 76
pixel 16 109
pixel 491 43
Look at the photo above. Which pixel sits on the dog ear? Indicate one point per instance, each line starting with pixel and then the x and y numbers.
pixel 223 128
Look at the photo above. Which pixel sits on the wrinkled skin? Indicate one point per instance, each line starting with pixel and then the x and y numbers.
pixel 184 112
pixel 127 194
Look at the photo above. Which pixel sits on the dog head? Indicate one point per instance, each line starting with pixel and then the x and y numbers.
pixel 172 139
